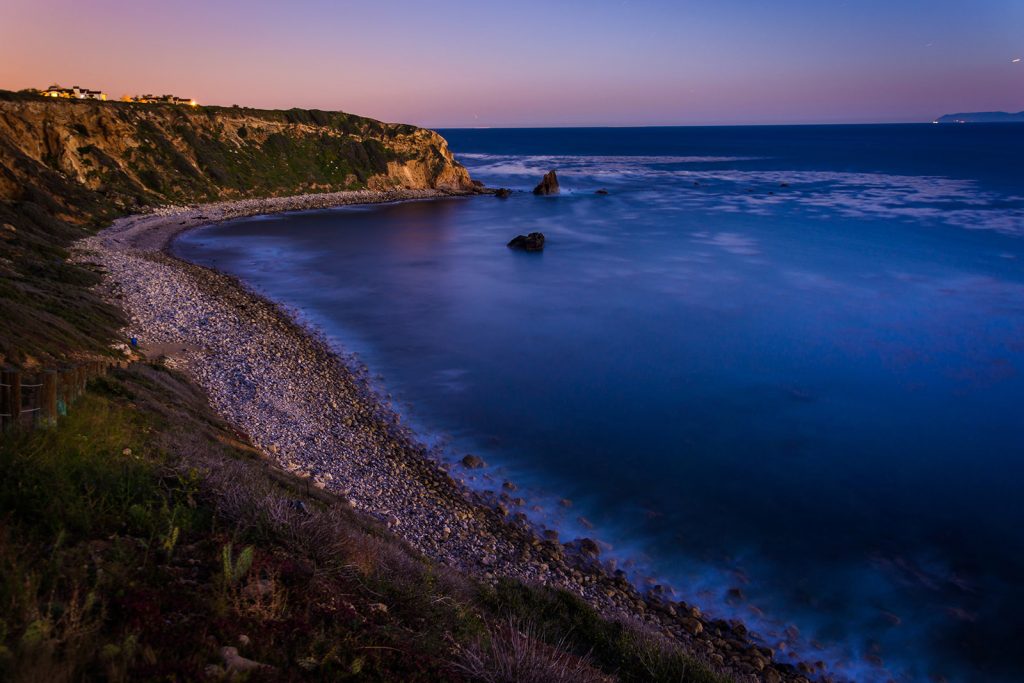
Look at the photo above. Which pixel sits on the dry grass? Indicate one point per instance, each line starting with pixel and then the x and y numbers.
pixel 515 653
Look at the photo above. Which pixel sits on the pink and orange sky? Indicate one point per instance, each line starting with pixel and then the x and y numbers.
pixel 458 63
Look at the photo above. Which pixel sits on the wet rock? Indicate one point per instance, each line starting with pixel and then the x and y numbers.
pixel 602 191
pixel 503 193
pixel 473 462
pixel 692 626
pixel 548 184
pixel 589 547
pixel 532 242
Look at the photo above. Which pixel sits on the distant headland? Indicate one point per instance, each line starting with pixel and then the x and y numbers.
pixel 982 117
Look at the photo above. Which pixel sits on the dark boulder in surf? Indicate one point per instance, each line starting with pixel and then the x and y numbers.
pixel 473 462
pixel 532 242
pixel 548 185
pixel 601 191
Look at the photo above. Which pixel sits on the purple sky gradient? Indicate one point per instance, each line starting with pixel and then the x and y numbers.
pixel 459 63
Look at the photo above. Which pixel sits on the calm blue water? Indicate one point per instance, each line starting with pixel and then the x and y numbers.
pixel 781 360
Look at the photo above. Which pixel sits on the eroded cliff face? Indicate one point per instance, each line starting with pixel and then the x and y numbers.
pixel 74 157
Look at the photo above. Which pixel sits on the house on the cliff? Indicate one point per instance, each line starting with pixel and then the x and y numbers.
pixel 159 99
pixel 73 93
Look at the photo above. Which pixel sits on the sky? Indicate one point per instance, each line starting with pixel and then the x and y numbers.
pixel 455 63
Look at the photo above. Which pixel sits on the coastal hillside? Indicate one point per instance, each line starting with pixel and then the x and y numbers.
pixel 982 117
pixel 68 167
pixel 128 156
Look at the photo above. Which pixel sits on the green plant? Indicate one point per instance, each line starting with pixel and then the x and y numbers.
pixel 235 569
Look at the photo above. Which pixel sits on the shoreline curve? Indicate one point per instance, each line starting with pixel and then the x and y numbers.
pixel 312 413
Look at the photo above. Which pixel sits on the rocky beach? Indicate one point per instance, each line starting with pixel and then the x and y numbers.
pixel 314 413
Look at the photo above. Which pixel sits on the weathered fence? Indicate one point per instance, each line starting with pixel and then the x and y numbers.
pixel 38 398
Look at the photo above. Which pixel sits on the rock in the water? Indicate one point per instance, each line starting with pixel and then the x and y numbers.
pixel 503 193
pixel 548 185
pixel 602 191
pixel 473 462
pixel 532 242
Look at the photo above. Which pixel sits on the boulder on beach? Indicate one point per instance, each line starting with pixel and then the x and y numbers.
pixel 503 193
pixel 589 547
pixel 532 242
pixel 548 184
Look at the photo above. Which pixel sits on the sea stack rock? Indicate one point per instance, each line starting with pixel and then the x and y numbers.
pixel 548 185
pixel 532 242
pixel 503 193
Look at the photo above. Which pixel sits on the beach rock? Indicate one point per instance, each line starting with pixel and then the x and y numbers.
pixel 589 547
pixel 532 242
pixel 692 626
pixel 503 193
pixel 235 663
pixel 473 462
pixel 548 184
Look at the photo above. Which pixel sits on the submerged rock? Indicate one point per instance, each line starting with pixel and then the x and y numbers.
pixel 473 462
pixel 602 191
pixel 548 184
pixel 532 242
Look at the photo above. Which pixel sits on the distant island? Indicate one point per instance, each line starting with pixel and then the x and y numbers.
pixel 982 117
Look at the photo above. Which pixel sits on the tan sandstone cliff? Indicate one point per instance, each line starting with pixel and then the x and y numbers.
pixel 75 156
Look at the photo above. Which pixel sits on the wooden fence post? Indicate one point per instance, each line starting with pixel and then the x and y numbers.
pixel 7 408
pixel 48 399
pixel 63 392
pixel 67 385
pixel 15 397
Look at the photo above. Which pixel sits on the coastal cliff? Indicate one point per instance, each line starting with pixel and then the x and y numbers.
pixel 68 167
pixel 76 157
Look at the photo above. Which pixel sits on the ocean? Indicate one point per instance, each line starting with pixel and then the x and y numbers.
pixel 779 370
